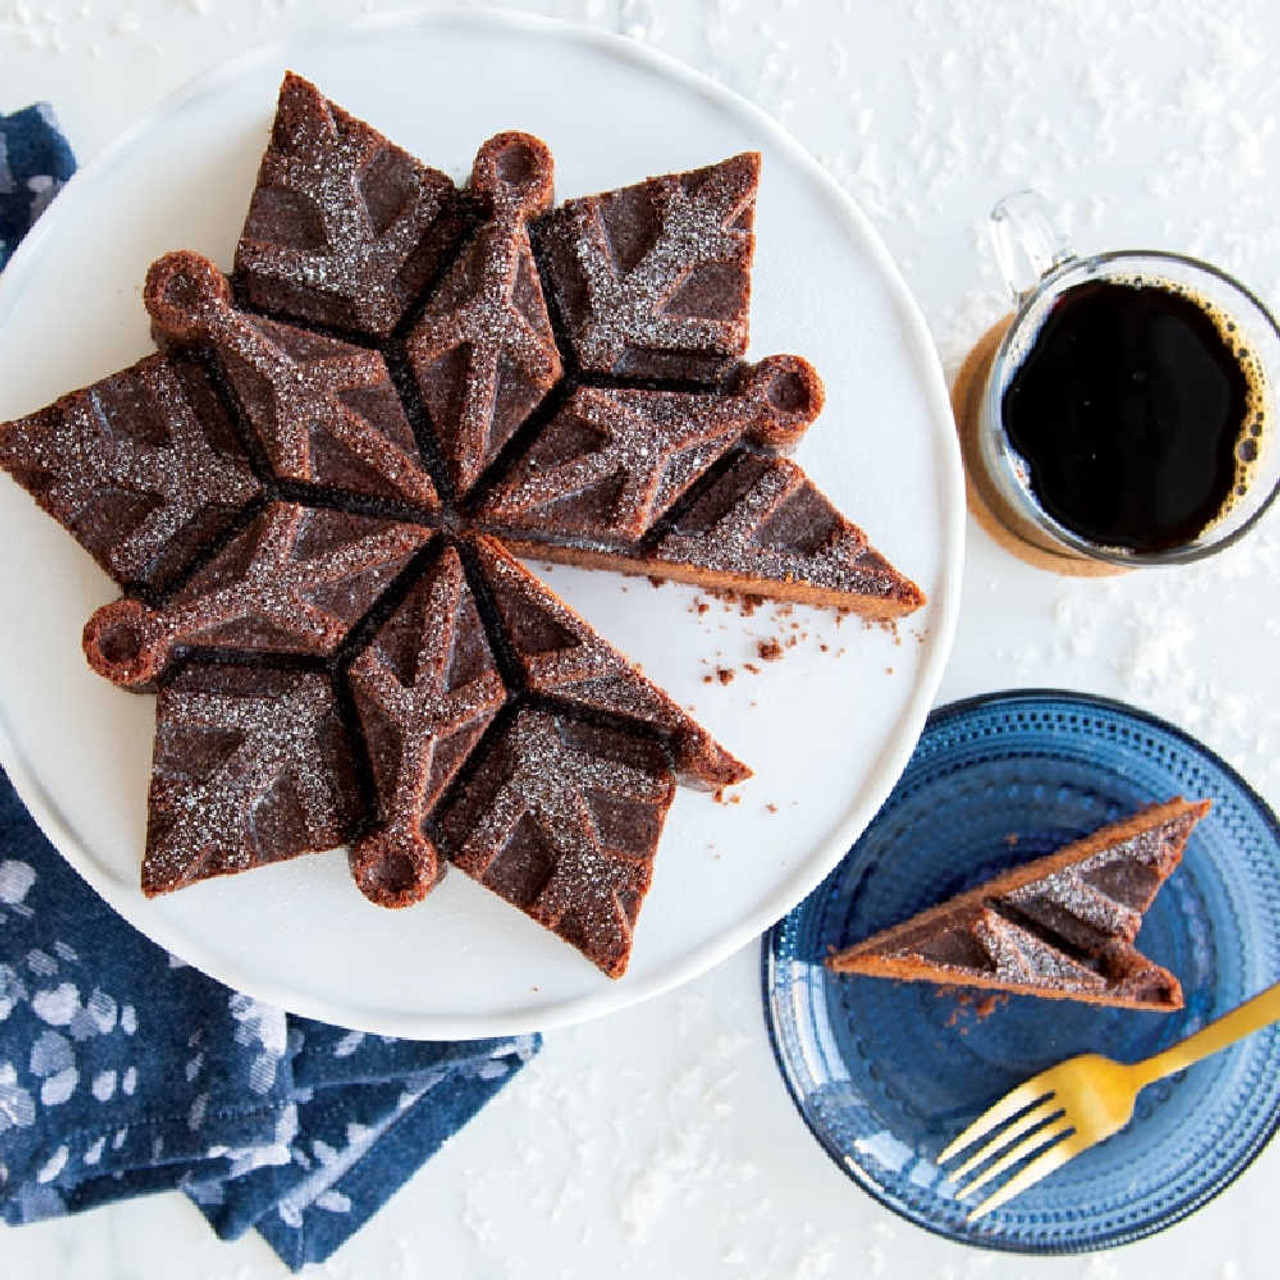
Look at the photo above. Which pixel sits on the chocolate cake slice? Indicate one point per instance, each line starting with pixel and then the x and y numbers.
pixel 654 280
pixel 1061 926
pixel 482 352
pixel 562 657
pixel 562 819
pixel 142 468
pixel 294 582
pixel 757 526
pixel 426 688
pixel 324 411
pixel 613 460
pixel 250 766
pixel 763 527
pixel 344 229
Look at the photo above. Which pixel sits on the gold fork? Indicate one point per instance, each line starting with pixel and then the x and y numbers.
pixel 1061 1112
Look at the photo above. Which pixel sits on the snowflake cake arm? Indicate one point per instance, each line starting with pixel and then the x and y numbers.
pixel 425 689
pixel 564 659
pixel 611 463
pixel 653 280
pixel 251 766
pixel 483 353
pixel 562 819
pixel 324 411
pixel 344 229
pixel 295 581
pixel 141 468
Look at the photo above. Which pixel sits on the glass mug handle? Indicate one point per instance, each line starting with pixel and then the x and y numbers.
pixel 1027 242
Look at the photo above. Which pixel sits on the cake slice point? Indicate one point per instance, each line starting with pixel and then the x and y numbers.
pixel 562 658
pixel 1061 926
pixel 562 818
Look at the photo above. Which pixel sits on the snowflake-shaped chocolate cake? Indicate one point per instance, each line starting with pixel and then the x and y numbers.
pixel 311 495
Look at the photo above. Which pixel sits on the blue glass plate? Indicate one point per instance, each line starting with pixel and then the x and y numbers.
pixel 886 1073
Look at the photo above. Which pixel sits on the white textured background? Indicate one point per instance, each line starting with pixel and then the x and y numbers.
pixel 660 1142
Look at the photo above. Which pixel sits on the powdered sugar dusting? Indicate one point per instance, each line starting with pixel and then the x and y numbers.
pixel 631 308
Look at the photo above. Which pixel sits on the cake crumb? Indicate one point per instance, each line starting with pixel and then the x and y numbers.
pixel 751 666
pixel 771 808
pixel 983 1004
pixel 769 650
pixel 888 625
pixel 725 675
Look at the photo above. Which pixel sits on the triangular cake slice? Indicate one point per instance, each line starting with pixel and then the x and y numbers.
pixel 1061 926
pixel 758 526
pixel 344 228
pixel 764 528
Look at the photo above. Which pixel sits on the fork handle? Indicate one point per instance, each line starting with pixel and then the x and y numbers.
pixel 1249 1017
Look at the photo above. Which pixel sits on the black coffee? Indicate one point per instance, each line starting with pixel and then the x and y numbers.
pixel 1135 415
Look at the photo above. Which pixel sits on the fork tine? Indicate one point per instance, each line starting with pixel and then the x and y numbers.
pixel 1046 1110
pixel 1041 1167
pixel 1019 1151
pixel 1024 1095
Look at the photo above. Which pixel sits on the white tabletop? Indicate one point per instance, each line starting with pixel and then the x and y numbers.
pixel 661 1142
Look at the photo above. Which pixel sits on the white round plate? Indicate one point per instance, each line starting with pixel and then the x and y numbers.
pixel 827 729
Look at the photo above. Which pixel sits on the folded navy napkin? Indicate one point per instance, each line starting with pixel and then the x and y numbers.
pixel 35 161
pixel 124 1071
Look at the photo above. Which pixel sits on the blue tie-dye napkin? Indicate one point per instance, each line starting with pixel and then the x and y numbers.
pixel 35 161
pixel 124 1071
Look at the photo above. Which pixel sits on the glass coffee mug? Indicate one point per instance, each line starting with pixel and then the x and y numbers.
pixel 1129 414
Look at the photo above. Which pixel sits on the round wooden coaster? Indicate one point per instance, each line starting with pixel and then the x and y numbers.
pixel 1011 530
